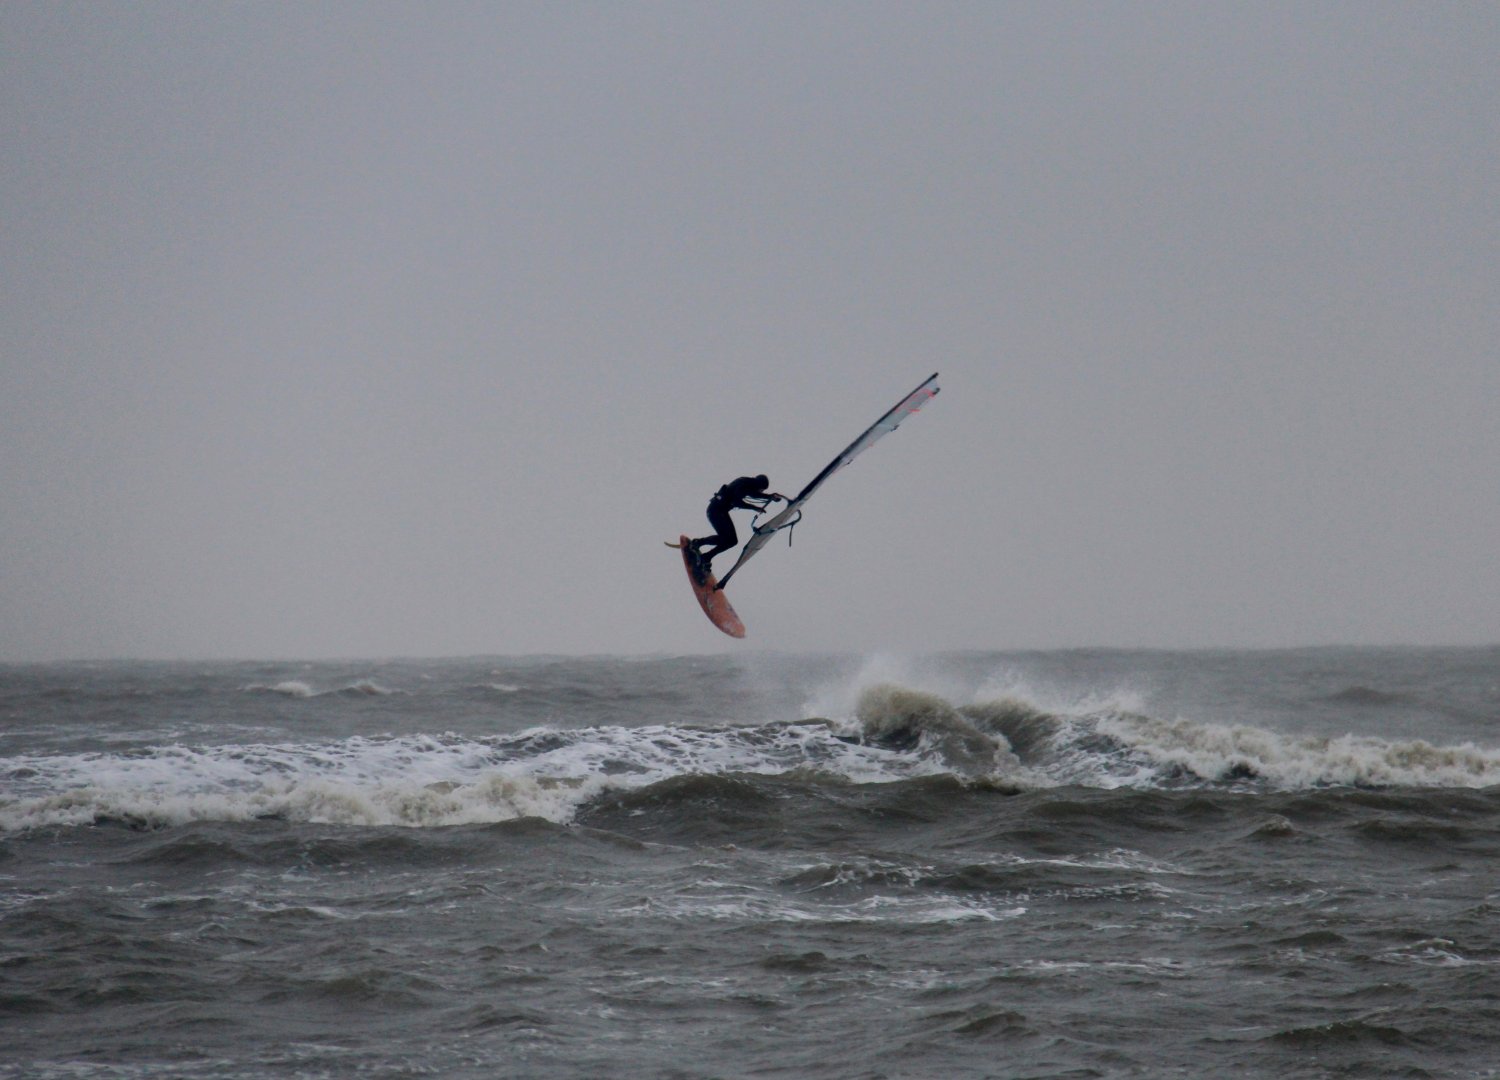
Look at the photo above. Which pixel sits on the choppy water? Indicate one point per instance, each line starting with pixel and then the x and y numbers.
pixel 1073 864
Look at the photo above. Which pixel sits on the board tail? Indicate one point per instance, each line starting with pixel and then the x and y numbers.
pixel 711 598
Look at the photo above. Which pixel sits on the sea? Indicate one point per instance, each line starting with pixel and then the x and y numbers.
pixel 1082 863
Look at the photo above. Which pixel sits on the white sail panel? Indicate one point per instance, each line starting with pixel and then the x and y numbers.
pixel 792 513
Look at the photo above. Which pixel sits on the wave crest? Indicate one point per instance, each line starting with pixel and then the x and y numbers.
pixel 898 718
pixel 897 734
pixel 1218 751
pixel 296 688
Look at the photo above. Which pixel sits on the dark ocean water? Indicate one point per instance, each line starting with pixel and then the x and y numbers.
pixel 1069 864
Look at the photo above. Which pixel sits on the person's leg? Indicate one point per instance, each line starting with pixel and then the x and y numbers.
pixel 725 536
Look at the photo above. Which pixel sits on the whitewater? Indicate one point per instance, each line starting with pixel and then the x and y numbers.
pixel 1103 863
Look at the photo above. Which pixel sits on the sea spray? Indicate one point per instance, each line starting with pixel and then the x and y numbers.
pixel 912 720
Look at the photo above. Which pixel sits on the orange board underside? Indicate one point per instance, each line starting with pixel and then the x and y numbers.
pixel 713 602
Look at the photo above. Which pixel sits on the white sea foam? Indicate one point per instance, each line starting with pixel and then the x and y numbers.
pixel 296 688
pixel 891 733
pixel 1105 737
pixel 1299 761
pixel 415 781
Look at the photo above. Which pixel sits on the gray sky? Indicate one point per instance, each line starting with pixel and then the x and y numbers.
pixel 377 329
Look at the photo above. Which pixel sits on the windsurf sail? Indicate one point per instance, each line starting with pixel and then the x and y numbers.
pixel 792 513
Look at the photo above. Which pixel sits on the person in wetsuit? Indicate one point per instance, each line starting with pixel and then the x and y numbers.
pixel 744 493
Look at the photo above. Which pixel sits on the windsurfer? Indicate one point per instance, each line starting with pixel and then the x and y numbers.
pixel 744 493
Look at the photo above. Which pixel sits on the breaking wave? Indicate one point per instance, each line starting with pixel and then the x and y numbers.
pixel 1112 748
pixel 296 688
pixel 891 733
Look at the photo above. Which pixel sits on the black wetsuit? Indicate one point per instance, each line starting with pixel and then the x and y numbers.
pixel 744 493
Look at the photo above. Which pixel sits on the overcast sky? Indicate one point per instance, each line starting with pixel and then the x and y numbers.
pixel 407 329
